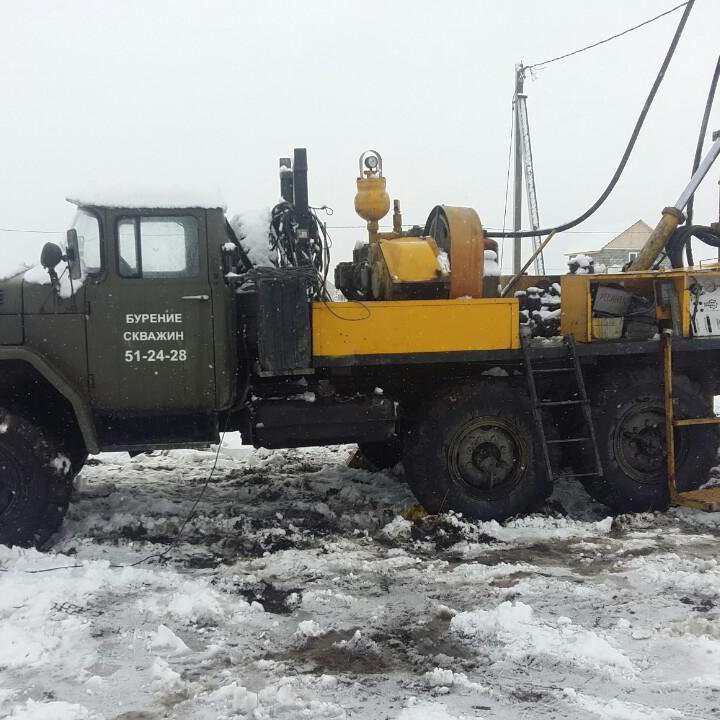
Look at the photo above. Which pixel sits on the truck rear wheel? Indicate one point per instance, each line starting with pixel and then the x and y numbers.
pixel 473 449
pixel 629 417
pixel 35 483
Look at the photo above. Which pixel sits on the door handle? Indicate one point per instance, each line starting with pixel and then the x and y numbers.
pixel 195 297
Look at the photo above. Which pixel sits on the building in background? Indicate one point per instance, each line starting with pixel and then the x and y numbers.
pixel 621 249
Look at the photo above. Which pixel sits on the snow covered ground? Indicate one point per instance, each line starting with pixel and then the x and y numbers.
pixel 298 591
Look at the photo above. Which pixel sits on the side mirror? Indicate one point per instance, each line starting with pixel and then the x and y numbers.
pixel 50 256
pixel 73 254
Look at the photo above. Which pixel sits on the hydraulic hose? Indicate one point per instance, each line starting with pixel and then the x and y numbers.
pixel 675 246
pixel 628 149
pixel 701 135
pixel 680 240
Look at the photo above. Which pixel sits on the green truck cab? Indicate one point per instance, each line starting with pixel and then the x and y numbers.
pixel 138 350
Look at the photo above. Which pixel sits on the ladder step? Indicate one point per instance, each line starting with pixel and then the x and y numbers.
pixel 567 440
pixel 553 370
pixel 570 365
pixel 580 475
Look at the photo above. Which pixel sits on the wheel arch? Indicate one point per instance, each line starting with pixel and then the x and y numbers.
pixel 26 367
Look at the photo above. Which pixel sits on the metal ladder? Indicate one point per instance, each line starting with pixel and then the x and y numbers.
pixel 709 498
pixel 570 365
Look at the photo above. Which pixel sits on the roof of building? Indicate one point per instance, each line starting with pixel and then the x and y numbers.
pixel 633 238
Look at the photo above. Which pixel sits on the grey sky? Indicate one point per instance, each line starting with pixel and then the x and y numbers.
pixel 208 94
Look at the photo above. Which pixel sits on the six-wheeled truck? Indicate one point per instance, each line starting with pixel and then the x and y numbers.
pixel 154 329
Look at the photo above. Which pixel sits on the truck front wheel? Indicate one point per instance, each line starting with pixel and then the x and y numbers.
pixel 473 449
pixel 35 483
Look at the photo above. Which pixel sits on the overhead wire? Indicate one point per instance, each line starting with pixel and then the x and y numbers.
pixel 34 232
pixel 507 175
pixel 569 232
pixel 628 148
pixel 606 40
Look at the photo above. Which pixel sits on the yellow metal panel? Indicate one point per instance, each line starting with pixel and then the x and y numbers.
pixel 411 259
pixel 414 326
pixel 576 299
pixel 575 313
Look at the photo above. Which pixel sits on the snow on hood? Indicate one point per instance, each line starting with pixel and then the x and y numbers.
pixel 11 268
pixel 38 275
pixel 19 252
pixel 149 198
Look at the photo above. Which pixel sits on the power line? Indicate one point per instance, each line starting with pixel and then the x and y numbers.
pixel 566 232
pixel 628 148
pixel 38 232
pixel 329 227
pixel 602 42
pixel 507 175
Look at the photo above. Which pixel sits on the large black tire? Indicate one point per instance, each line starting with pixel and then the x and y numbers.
pixel 473 449
pixel 629 416
pixel 382 455
pixel 35 483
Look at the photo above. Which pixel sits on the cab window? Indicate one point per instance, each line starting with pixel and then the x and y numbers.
pixel 88 234
pixel 158 247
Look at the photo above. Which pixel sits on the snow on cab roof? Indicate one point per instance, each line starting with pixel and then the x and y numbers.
pixel 149 198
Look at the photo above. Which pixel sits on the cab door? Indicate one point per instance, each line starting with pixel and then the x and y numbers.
pixel 150 319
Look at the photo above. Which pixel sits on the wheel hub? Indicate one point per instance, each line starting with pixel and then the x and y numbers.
pixel 487 456
pixel 639 443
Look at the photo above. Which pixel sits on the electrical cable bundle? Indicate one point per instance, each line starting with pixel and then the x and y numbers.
pixel 309 256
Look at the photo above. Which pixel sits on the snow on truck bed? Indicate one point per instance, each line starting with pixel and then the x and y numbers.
pixel 299 591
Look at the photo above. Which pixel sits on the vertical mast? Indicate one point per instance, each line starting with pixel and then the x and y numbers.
pixel 524 162
pixel 517 192
pixel 533 212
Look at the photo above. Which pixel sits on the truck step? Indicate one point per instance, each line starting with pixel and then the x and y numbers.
pixel 554 370
pixel 578 475
pixel 549 403
pixel 568 440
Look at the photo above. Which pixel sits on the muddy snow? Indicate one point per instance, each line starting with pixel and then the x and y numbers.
pixel 300 591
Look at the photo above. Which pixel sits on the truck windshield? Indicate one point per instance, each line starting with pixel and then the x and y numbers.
pixel 88 232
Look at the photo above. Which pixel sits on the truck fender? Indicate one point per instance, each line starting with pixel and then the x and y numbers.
pixel 80 406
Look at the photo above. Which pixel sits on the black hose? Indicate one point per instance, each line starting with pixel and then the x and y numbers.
pixel 680 240
pixel 628 149
pixel 701 136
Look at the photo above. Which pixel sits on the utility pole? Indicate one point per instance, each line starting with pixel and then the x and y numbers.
pixel 517 192
pixel 533 213
pixel 524 162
